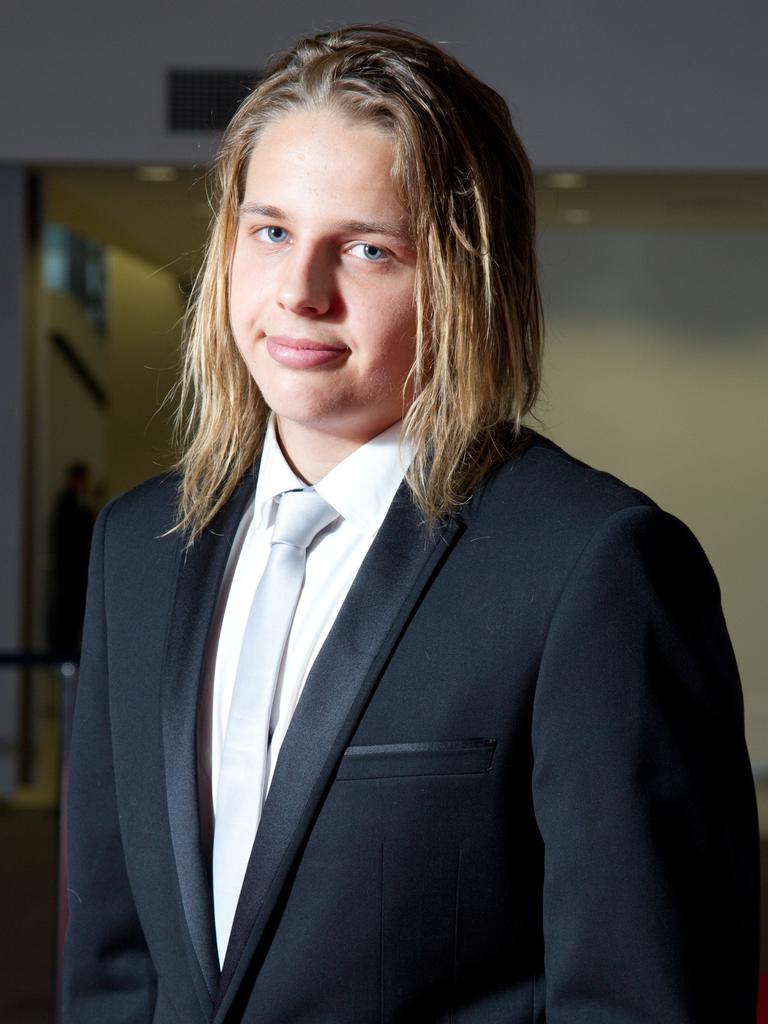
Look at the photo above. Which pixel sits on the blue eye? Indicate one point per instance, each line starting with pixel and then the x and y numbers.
pixel 370 253
pixel 273 234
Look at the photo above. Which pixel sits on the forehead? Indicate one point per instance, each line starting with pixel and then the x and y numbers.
pixel 315 159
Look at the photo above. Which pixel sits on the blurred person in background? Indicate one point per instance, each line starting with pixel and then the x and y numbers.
pixel 71 529
pixel 389 709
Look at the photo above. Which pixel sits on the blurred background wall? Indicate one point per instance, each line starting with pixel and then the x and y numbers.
pixel 646 125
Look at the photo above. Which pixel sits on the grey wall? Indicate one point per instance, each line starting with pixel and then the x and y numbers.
pixel 656 370
pixel 595 84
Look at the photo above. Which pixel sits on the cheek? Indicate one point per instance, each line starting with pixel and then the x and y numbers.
pixel 391 326
pixel 400 341
pixel 244 297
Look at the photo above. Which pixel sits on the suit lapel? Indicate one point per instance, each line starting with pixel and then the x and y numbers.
pixel 199 577
pixel 397 568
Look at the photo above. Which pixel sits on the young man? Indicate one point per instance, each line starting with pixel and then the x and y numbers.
pixel 390 710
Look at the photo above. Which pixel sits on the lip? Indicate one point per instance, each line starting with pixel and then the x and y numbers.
pixel 303 353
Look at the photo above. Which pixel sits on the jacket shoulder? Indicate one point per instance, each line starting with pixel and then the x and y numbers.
pixel 545 501
pixel 154 499
pixel 544 478
pixel 142 516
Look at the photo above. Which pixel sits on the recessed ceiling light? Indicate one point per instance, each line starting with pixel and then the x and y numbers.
pixel 578 216
pixel 156 172
pixel 566 179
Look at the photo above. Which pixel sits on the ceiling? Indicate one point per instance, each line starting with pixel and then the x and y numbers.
pixel 164 221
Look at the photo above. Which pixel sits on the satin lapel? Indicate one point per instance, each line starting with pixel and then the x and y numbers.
pixel 199 577
pixel 393 575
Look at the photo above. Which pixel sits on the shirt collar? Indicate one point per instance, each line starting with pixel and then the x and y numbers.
pixel 361 487
pixel 275 476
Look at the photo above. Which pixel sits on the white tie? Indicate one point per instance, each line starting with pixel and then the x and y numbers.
pixel 300 516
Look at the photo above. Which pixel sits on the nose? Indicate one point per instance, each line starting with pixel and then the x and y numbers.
pixel 306 284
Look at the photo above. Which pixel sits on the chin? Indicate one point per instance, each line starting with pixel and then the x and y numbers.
pixel 334 424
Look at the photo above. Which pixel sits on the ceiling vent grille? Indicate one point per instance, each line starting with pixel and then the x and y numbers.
pixel 204 101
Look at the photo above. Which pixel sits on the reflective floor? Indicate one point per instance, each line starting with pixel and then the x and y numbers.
pixel 28 841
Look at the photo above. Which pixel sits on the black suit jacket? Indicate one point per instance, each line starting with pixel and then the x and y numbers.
pixel 515 788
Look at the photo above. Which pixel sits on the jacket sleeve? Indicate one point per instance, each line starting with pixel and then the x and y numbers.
pixel 108 976
pixel 643 791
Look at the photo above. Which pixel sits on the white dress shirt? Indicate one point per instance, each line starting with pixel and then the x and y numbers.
pixel 361 489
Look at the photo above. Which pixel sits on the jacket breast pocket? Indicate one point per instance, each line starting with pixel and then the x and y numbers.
pixel 400 760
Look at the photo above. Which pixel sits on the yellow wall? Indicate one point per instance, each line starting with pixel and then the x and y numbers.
pixel 143 313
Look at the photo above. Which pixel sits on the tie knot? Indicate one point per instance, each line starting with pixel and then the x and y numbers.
pixel 300 516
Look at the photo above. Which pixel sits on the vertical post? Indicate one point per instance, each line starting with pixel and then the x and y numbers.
pixel 13 469
pixel 68 687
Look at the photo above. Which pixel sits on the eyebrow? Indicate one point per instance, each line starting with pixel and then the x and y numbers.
pixel 361 227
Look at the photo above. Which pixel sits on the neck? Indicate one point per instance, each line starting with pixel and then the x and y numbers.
pixel 311 454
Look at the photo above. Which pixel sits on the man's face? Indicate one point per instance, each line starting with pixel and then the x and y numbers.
pixel 322 280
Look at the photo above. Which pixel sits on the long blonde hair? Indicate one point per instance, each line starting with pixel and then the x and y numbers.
pixel 466 184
